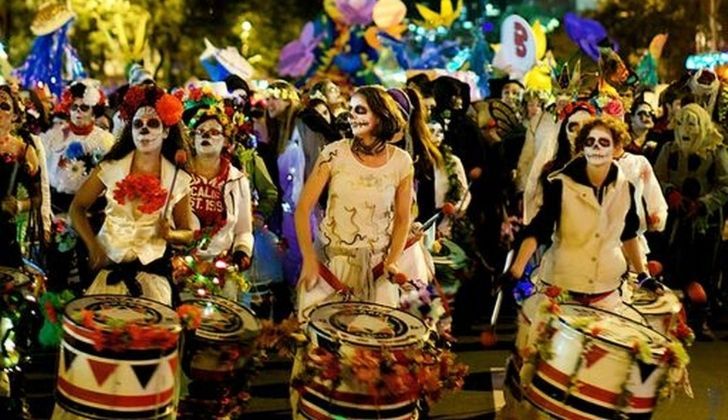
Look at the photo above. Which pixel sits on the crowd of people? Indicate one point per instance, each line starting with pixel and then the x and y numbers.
pixel 324 192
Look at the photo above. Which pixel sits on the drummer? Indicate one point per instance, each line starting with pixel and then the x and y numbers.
pixel 589 215
pixel 368 212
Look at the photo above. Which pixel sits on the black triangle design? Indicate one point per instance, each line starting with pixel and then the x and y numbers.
pixel 68 358
pixel 646 370
pixel 144 373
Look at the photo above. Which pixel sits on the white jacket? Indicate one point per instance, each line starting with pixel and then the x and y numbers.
pixel 237 233
pixel 586 255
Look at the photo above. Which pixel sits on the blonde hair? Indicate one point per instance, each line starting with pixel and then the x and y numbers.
pixel 617 128
pixel 281 128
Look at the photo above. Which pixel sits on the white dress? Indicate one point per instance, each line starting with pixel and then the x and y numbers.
pixel 355 233
pixel 128 235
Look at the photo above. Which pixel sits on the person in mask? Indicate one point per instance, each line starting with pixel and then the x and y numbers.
pixel 693 172
pixel 589 214
pixel 220 193
pixel 512 95
pixel 147 200
pixel 641 121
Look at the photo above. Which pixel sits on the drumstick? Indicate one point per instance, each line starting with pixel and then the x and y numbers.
pixel 180 158
pixel 488 338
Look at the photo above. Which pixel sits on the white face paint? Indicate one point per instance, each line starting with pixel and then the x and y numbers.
pixel 81 114
pixel 512 94
pixel 599 146
pixel 642 118
pixel 438 134
pixel 363 119
pixel 574 123
pixel 687 127
pixel 209 138
pixel 147 130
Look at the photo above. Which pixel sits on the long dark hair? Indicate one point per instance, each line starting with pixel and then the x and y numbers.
pixel 389 118
pixel 422 143
pixel 176 140
pixel 563 146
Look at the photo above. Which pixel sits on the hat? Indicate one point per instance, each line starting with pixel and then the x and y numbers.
pixel 403 102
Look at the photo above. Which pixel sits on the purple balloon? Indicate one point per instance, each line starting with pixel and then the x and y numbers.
pixel 297 56
pixel 586 33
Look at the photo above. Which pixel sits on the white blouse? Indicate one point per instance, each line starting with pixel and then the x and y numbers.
pixel 127 234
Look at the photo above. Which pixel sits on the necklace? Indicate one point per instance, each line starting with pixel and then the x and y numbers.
pixel 374 149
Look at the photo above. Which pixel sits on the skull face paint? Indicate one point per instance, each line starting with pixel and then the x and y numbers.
pixel 574 123
pixel 438 134
pixel 363 119
pixel 512 94
pixel 147 130
pixel 642 119
pixel 599 146
pixel 209 138
pixel 81 114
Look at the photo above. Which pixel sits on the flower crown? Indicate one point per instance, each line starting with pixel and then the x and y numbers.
pixel 216 111
pixel 87 90
pixel 283 94
pixel 572 106
pixel 168 107
pixel 205 103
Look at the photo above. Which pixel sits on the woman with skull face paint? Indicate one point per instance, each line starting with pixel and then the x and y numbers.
pixel 142 214
pixel 220 193
pixel 73 149
pixel 589 215
pixel 19 169
pixel 641 121
pixel 693 171
pixel 368 210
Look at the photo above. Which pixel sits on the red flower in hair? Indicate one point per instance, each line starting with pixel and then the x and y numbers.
pixel 134 98
pixel 169 109
pixel 572 106
pixel 64 105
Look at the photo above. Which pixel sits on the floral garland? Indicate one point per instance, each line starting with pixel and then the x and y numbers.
pixel 64 236
pixel 426 372
pixel 51 303
pixel 423 301
pixel 206 277
pixel 675 359
pixel 284 337
pixel 123 336
pixel 147 189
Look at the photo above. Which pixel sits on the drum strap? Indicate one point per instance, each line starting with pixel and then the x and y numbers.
pixel 589 299
pixel 128 271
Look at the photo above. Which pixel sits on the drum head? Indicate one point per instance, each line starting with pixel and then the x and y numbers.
pixel 367 325
pixel 224 320
pixel 12 276
pixel 110 310
pixel 614 329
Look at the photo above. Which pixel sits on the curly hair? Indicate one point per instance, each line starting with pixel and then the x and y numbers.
pixel 389 118
pixel 617 128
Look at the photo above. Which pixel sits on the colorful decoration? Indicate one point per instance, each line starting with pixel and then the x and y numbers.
pixel 51 304
pixel 517 52
pixel 52 52
pixel 388 13
pixel 588 34
pixel 284 338
pixel 145 189
pixel 206 277
pixel 297 57
pixel 121 335
pixel 446 16
pixel 221 63
pixel 355 12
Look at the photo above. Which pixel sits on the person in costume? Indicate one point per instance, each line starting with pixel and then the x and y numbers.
pixel 20 184
pixel 147 200
pixel 368 209
pixel 317 130
pixel 693 172
pixel 590 216
pixel 220 193
pixel 73 149
pixel 329 92
pixel 641 121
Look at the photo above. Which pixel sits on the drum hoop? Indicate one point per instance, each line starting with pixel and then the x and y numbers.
pixel 352 342
pixel 605 340
pixel 243 334
pixel 70 319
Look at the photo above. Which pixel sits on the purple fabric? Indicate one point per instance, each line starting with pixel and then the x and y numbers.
pixel 402 100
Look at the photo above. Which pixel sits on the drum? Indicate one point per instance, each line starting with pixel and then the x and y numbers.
pixel 661 312
pixel 13 279
pixel 341 327
pixel 220 347
pixel 589 372
pixel 101 382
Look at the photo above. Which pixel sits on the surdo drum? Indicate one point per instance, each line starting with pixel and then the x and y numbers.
pixel 590 370
pixel 136 381
pixel 345 326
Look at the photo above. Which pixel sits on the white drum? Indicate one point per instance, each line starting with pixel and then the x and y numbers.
pixel 589 371
pixel 345 326
pixel 135 381
pixel 661 312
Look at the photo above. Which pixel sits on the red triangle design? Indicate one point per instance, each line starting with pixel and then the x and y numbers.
pixel 101 370
pixel 593 355
pixel 173 364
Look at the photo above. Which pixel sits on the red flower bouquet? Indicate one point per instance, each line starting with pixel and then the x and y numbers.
pixel 147 189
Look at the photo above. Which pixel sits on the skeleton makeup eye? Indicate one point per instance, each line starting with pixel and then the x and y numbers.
pixel 602 141
pixel 360 110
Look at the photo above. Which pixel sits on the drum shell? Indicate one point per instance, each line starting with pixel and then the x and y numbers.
pixel 598 386
pixel 211 355
pixel 105 384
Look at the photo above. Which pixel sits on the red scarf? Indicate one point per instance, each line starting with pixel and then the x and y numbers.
pixel 80 131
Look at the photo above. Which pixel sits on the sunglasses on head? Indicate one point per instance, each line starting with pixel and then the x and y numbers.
pixel 603 141
pixel 82 107
pixel 150 123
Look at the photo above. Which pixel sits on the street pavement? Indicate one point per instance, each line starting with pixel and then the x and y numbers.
pixel 482 395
